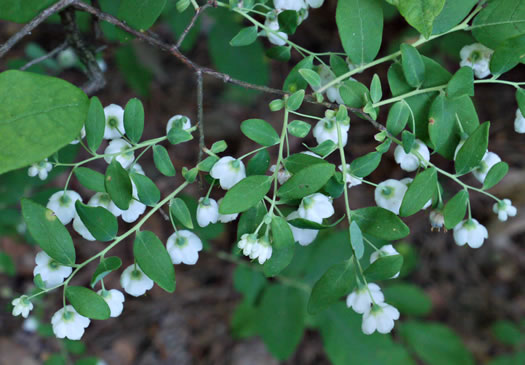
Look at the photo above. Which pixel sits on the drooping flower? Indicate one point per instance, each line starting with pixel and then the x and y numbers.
pixel 134 211
pixel 114 121
pixel 410 161
pixel 315 3
pixel 30 324
pixel 389 195
pixel 504 209
pixel 387 250
pixel 289 4
pixel 178 121
pixel 316 207
pixel 282 175
pixel 303 236
pixel 67 58
pixel 183 247
pixel 228 171
pixel 255 248
pixel 22 306
pixel 476 56
pixel 207 212
pixel 275 37
pixel 350 179
pixel 51 272
pixel 489 160
pixel 119 150
pixel 62 203
pixel 226 218
pixel 519 122
pixel 104 200
pixel 41 169
pixel 326 129
pixel 67 323
pixel 470 232
pixel 380 318
pixel 114 299
pixel 437 220
pixel 360 299
pixel 134 281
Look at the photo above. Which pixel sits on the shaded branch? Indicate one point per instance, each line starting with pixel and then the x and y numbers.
pixel 198 12
pixel 200 114
pixel 52 53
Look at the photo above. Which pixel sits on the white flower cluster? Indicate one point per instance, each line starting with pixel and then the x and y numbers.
pixel 476 56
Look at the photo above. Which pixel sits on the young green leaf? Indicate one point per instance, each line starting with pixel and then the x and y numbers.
pixel 420 14
pixel 179 210
pixel 376 93
pixel 106 266
pixel 154 260
pixel 462 83
pixel 356 240
pixel 283 245
pixel 245 37
pixel 258 164
pixel 380 223
pixel 288 21
pixel 408 141
pixel 190 175
pixel 495 174
pixel 299 161
pixel 93 180
pixel 520 98
pixel 455 209
pixel 162 161
pixel 311 77
pixel 118 185
pixel 250 220
pixel 147 191
pixel 295 100
pixel 471 153
pixel 413 65
pixel 98 220
pixel 48 232
pixel 219 146
pixel 179 135
pixel 419 192
pixel 408 298
pixel 140 14
pixel 298 128
pixel 95 124
pixel 245 194
pixel 384 268
pixel 87 303
pixel 397 118
pixel 307 181
pixel 354 94
pixel 324 149
pixel 365 165
pixel 338 65
pixel 294 81
pixel 260 131
pixel 134 120
pixel 282 53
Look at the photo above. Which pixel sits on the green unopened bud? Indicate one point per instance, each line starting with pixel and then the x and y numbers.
pixel 380 137
pixel 319 97
pixel 276 105
pixel 329 113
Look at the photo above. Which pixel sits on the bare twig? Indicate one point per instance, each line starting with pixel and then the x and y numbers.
pixel 198 12
pixel 33 24
pixel 200 114
pixel 52 53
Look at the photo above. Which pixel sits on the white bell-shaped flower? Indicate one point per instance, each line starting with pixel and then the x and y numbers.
pixel 80 137
pixel 380 318
pixel 327 76
pixel 360 299
pixel 228 171
pixel 114 121
pixel 178 121
pixel 316 207
pixel 22 306
pixel 62 203
pixel 41 169
pixel 519 122
pixel 226 218
pixel 119 150
pixel 504 209
pixel 289 4
pixel 326 129
pixel 275 37
pixel 470 232
pixel 247 243
pixel 30 324
pixel 183 247
pixel 387 250
pixel 134 281
pixel 489 160
pixel 476 56
pixel 67 323
pixel 135 210
pixel 303 236
pixel 81 228
pixel 350 180
pixel 104 200
pixel 315 3
pixel 282 175
pixel 437 220
pixel 410 161
pixel 254 248
pixel 389 195
pixel 114 299
pixel 207 212
pixel 51 272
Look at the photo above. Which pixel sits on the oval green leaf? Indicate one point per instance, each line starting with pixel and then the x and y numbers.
pixel 98 220
pixel 162 161
pixel 95 124
pixel 87 303
pixel 380 223
pixel 495 174
pixel 105 267
pixel 179 210
pixel 245 194
pixel 307 181
pixel 260 131
pixel 91 179
pixel 419 192
pixel 471 153
pixel 134 119
pixel 455 209
pixel 118 185
pixel 147 191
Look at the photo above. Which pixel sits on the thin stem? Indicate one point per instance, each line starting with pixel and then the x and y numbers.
pixel 279 160
pixel 252 152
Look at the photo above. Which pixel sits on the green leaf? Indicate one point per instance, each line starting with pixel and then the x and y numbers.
pixel 279 53
pixel 337 281
pixel 136 74
pixel 190 175
pixel 338 65
pixel 507 333
pixel 95 124
pixel 38 116
pixel 520 98
pixel 134 119
pixel 397 118
pixel 258 164
pixel 455 209
pixel 140 14
pixel 307 181
pixel 294 81
pixel 304 223
pixel 249 282
pixel 380 223
pixel 243 322
pixel 298 161
pixel 495 174
pixel 179 135
pixel 207 164
pixel 180 211
pixel 22 11
pixel 408 140
pixel 420 14
pixel 376 93
pixel 246 36
pixel 98 220
pixel 90 179
pixel 260 131
pixel 154 260
pixel 147 191
pixel 360 25
pixel 87 303
pixel 311 77
pixel 162 161
pixel 298 128
pixel 356 240
pixel 281 318
pixel 106 266
pixel 413 65
pixel 218 147
pixel 453 12
pixel 7 265
pixel 384 268
pixel 471 153
pixel 462 83
pixel 419 192
pixel 118 185
pixel 283 245
pixel 354 94
pixel 324 149
pixel 48 232
pixel 245 194
pixel 288 21
pixel 408 298
pixel 250 220
pixel 295 100
pixel 435 344
pixel 507 55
